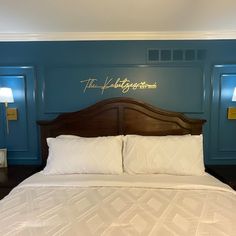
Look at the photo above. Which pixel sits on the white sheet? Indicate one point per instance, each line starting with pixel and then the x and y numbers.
pixel 125 180
pixel 119 205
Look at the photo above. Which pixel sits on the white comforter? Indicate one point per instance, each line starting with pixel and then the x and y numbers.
pixel 119 205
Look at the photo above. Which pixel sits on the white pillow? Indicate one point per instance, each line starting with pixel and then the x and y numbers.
pixel 84 155
pixel 177 154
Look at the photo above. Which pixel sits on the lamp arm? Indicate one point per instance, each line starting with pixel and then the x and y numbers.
pixel 7 124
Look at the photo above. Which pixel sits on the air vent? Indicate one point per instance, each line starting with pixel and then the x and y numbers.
pixel 155 55
pixel 165 55
pixel 190 55
pixel 178 55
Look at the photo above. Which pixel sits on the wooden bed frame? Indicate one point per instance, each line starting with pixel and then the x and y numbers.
pixel 118 116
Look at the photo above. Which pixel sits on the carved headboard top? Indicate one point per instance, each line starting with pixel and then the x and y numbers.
pixel 118 116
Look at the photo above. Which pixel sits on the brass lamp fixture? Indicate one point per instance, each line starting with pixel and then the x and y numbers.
pixel 6 96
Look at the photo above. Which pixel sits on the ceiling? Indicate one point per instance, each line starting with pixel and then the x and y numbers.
pixel 117 19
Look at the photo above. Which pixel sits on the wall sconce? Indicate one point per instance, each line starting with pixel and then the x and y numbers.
pixel 6 96
pixel 234 95
pixel 232 110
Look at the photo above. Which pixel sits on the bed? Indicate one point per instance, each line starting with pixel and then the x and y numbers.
pixel 108 171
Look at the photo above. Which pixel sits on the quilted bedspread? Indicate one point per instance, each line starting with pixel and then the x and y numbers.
pixel 119 205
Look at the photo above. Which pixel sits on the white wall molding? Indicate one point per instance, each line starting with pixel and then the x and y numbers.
pixel 94 36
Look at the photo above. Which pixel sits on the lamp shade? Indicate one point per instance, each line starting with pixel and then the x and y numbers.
pixel 234 95
pixel 6 95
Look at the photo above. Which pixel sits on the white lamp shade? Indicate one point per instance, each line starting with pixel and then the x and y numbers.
pixel 234 95
pixel 6 95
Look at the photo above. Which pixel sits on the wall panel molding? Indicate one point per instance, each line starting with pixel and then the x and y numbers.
pixel 185 82
pixel 22 145
pixel 222 133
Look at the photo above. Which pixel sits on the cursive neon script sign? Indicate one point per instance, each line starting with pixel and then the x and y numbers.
pixel 124 84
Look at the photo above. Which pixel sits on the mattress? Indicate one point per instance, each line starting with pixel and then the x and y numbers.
pixel 86 204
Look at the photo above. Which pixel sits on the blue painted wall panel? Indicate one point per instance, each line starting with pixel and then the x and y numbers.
pixel 227 128
pixel 17 84
pixel 21 142
pixel 223 131
pixel 52 72
pixel 174 86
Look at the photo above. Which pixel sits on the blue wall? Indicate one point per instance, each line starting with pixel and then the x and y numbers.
pixel 193 77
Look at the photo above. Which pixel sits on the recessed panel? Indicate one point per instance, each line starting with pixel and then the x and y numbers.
pixel 21 141
pixel 227 128
pixel 12 140
pixel 169 87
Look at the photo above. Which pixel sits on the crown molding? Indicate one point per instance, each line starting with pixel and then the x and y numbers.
pixel 97 36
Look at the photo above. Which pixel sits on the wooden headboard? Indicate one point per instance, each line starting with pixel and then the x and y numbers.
pixel 118 116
